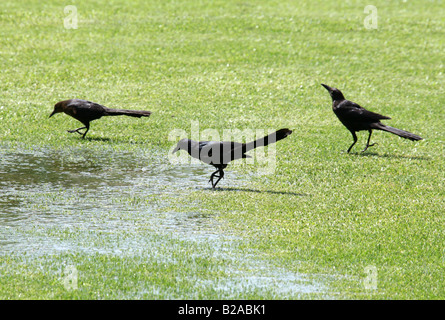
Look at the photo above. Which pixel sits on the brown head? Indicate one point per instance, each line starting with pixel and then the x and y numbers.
pixel 58 107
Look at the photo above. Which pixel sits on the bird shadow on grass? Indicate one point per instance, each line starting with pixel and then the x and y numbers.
pixel 389 156
pixel 98 139
pixel 259 191
pixel 114 139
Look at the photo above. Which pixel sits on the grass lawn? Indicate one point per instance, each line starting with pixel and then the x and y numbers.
pixel 353 226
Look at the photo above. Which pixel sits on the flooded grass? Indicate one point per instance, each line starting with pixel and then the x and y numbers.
pixel 133 226
pixel 110 216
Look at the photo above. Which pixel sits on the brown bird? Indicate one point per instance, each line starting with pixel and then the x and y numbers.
pixel 87 111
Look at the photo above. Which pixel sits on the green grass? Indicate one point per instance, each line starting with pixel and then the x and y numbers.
pixel 246 64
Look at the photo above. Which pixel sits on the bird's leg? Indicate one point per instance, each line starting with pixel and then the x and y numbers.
pixel 212 176
pixel 355 140
pixel 78 131
pixel 221 176
pixel 84 134
pixel 367 143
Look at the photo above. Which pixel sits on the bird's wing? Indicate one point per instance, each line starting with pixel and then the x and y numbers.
pixel 85 109
pixel 205 151
pixel 354 112
pixel 221 152
pixel 202 144
pixel 235 149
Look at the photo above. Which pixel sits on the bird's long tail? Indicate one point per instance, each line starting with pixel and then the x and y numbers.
pixel 271 138
pixel 399 132
pixel 131 113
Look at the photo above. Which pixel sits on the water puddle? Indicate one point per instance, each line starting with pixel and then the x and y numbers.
pixel 93 191
pixel 90 201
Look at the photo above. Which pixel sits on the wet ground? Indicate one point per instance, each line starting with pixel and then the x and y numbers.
pixel 90 201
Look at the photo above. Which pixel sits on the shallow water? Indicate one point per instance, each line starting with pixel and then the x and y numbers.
pixel 92 191
pixel 54 202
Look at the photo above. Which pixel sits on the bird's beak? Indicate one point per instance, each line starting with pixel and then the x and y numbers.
pixel 175 149
pixel 53 113
pixel 327 87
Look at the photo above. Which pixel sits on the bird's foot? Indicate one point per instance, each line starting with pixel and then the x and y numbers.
pixel 211 179
pixel 219 174
pixel 213 183
pixel 76 130
pixel 369 145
